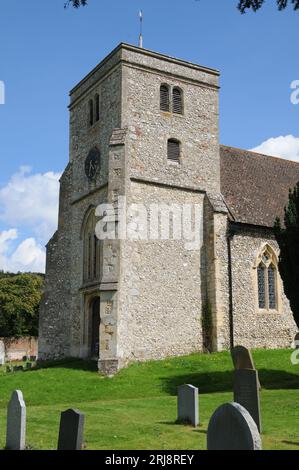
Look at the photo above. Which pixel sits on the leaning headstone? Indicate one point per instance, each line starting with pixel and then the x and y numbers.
pixel 242 358
pixel 188 405
pixel 2 353
pixel 71 430
pixel 246 393
pixel 16 422
pixel 232 428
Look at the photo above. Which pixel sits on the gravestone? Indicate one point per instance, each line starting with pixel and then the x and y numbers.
pixel 2 353
pixel 188 405
pixel 296 341
pixel 28 365
pixel 71 430
pixel 246 393
pixel 232 428
pixel 16 422
pixel 242 358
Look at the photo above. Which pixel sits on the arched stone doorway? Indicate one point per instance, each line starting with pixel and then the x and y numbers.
pixel 95 318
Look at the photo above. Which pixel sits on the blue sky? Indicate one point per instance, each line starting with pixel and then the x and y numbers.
pixel 45 50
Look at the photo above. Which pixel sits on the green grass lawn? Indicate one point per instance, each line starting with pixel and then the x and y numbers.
pixel 137 408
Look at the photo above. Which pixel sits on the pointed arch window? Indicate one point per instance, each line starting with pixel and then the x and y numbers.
pixel 91 249
pixel 267 280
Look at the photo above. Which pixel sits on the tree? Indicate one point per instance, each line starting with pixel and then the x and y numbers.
pixel 243 5
pixel 75 3
pixel 255 5
pixel 20 296
pixel 288 240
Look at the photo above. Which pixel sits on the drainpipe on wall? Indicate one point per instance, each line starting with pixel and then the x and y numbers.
pixel 230 236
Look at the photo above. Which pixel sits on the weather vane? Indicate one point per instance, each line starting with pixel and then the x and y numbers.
pixel 141 25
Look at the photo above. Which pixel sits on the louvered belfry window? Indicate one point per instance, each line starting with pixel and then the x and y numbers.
pixel 90 104
pixel 177 101
pixel 97 107
pixel 173 150
pixel 164 98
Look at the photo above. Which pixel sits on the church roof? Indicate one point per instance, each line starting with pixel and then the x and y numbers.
pixel 255 186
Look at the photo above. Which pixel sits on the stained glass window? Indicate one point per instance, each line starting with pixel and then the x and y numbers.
pixel 271 287
pixel 261 286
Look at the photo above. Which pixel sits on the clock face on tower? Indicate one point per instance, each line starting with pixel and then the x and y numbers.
pixel 93 163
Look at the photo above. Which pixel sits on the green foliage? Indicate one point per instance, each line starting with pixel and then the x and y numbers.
pixel 207 326
pixel 20 295
pixel 255 5
pixel 75 3
pixel 243 5
pixel 288 240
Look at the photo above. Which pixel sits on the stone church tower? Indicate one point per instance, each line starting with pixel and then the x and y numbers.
pixel 145 126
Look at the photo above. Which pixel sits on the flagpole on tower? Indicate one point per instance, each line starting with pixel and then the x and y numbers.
pixel 141 25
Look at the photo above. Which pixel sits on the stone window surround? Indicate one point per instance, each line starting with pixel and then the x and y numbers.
pixel 272 261
pixel 173 162
pixel 94 99
pixel 90 272
pixel 171 87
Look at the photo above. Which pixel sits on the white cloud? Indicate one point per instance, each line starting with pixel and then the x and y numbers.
pixel 283 146
pixel 27 256
pixel 28 202
pixel 31 201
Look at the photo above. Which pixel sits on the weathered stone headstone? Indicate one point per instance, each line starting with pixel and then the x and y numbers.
pixel 16 422
pixel 232 428
pixel 242 358
pixel 246 393
pixel 71 430
pixel 188 405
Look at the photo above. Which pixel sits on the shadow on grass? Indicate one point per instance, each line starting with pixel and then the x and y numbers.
pixel 78 364
pixel 292 443
pixel 213 382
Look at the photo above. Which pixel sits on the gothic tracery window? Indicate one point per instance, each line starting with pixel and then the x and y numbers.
pixel 91 249
pixel 267 280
